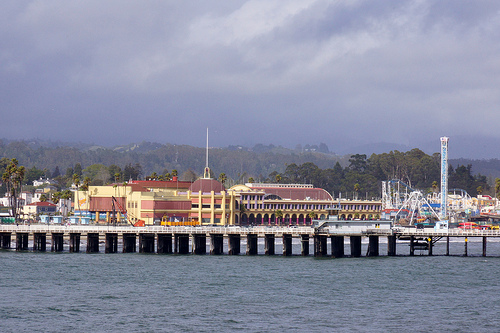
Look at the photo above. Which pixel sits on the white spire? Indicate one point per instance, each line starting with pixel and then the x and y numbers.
pixel 206 172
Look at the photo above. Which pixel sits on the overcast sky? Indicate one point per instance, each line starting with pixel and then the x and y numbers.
pixel 344 73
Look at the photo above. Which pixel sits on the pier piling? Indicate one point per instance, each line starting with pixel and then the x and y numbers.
pixel 355 246
pixel 287 244
pixel 304 245
pixel 391 246
pixel 129 243
pixel 22 241
pixel 74 242
pixel 147 243
pixel 216 244
pixel 320 248
pixel 252 248
pixel 92 242
pixel 234 244
pixel 181 243
pixel 269 244
pixel 39 242
pixel 5 238
pixel 111 243
pixel 164 243
pixel 337 246
pixel 199 244
pixel 57 242
pixel 373 246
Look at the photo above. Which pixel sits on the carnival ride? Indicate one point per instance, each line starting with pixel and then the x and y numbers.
pixel 400 201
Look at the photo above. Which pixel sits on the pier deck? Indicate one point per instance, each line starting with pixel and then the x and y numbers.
pixel 169 239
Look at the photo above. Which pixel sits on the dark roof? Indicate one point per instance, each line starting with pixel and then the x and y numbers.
pixel 296 193
pixel 207 185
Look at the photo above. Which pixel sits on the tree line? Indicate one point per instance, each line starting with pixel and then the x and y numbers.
pixel 363 177
pixel 360 178
pixel 337 174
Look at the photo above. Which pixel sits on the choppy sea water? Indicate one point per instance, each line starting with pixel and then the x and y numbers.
pixel 55 292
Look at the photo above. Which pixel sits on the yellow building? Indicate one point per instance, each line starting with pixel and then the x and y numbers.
pixel 360 209
pixel 206 201
pixel 148 201
pixel 211 203
pixel 281 204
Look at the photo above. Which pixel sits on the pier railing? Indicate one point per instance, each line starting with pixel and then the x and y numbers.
pixel 84 229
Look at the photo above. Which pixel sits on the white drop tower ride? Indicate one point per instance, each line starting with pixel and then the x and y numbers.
pixel 444 177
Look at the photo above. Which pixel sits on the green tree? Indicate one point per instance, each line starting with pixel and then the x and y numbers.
pixel 78 169
pixel 479 190
pixel 222 178
pixel 279 216
pixel 278 178
pixel 12 178
pixel 357 188
pixel 55 197
pixel 32 174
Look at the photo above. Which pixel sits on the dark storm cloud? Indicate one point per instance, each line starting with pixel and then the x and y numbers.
pixel 339 72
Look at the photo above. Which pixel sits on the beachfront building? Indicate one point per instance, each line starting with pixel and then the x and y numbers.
pixel 206 201
pixel 211 203
pixel 38 208
pixel 147 201
pixel 360 209
pixel 281 204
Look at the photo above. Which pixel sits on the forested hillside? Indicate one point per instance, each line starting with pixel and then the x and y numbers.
pixel 355 175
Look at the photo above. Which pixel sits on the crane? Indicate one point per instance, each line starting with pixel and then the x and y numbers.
pixel 115 203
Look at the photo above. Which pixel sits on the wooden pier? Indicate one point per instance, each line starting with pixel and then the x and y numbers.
pixel 186 240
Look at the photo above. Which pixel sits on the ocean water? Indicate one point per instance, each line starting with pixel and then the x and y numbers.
pixel 56 292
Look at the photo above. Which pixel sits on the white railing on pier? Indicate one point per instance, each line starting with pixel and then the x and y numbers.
pixel 84 229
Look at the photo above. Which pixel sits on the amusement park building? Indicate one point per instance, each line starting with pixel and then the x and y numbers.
pixel 207 201
pixel 289 204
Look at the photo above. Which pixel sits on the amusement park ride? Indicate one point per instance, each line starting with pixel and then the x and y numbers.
pixel 400 202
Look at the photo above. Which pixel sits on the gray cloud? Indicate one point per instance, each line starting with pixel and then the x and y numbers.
pixel 339 72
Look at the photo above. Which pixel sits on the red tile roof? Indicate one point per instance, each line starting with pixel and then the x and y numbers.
pixel 42 204
pixel 297 193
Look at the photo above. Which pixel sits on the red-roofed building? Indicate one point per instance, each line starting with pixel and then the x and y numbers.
pixel 35 208
pixel 278 204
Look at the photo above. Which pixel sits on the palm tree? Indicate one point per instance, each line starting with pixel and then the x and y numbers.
pixel 311 215
pixel 357 187
pixel 222 178
pixel 86 187
pixel 56 196
pixel 12 178
pixel 479 190
pixel 279 215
